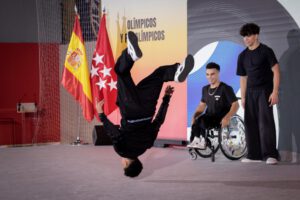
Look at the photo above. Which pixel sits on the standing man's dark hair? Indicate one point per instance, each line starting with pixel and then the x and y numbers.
pixel 249 29
pixel 259 74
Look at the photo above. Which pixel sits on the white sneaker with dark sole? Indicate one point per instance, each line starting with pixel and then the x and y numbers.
pixel 133 47
pixel 184 69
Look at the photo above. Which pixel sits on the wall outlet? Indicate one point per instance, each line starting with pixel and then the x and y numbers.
pixel 26 107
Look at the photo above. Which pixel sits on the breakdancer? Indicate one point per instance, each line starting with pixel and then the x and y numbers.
pixel 137 104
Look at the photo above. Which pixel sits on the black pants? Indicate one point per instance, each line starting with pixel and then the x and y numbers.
pixel 202 123
pixel 260 126
pixel 139 101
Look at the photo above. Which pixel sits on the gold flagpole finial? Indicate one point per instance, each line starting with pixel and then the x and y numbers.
pixel 76 11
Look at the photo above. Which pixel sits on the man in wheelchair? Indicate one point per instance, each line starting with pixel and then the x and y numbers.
pixel 218 104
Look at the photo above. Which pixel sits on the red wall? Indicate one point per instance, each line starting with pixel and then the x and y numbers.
pixel 19 82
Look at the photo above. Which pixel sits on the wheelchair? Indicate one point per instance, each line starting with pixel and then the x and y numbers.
pixel 231 140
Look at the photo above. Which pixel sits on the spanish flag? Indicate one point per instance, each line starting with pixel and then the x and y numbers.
pixel 76 75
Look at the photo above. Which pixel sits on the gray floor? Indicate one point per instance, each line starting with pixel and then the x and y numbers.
pixel 88 172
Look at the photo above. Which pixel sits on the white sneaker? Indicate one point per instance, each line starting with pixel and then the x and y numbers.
pixel 247 160
pixel 184 69
pixel 193 143
pixel 271 161
pixel 133 48
pixel 198 143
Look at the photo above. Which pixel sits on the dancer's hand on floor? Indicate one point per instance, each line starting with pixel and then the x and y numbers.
pixel 169 90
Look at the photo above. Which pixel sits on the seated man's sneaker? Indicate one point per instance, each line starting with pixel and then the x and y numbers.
pixel 198 143
pixel 184 69
pixel 194 142
pixel 247 160
pixel 271 161
pixel 133 48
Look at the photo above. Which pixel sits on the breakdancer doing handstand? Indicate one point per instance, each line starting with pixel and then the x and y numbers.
pixel 137 104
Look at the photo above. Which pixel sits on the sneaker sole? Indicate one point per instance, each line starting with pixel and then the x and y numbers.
pixel 251 161
pixel 133 40
pixel 272 163
pixel 188 66
pixel 197 148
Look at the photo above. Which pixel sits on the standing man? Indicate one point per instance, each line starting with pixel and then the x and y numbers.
pixel 259 74
pixel 218 104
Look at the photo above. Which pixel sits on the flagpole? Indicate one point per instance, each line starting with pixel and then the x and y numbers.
pixel 77 141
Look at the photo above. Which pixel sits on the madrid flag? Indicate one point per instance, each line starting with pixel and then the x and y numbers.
pixel 76 76
pixel 103 76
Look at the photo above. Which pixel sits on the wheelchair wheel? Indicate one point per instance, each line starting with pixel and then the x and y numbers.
pixel 193 154
pixel 211 141
pixel 232 139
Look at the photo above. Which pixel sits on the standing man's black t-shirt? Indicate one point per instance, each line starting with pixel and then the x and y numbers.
pixel 218 100
pixel 257 66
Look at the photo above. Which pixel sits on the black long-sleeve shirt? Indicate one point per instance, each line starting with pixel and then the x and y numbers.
pixel 133 139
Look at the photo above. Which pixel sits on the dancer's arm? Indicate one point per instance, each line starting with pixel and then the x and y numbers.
pixel 161 114
pixel 110 129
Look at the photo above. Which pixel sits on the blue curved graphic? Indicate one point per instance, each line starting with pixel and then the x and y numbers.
pixel 225 54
